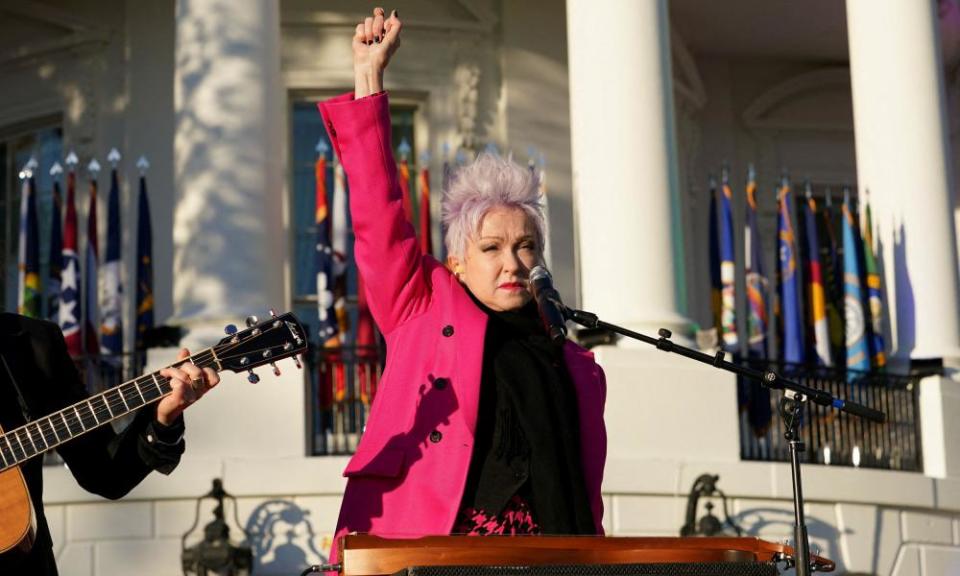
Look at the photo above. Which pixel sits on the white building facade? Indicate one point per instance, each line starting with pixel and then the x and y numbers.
pixel 631 103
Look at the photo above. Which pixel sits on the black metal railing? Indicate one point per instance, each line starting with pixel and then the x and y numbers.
pixel 342 383
pixel 832 437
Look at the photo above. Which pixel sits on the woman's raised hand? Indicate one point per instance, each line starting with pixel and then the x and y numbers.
pixel 374 42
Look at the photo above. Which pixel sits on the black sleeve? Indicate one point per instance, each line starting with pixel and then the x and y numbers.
pixel 103 462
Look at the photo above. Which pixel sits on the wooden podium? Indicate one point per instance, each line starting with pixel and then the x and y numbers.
pixel 363 555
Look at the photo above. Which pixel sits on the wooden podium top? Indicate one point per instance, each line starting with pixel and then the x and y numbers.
pixel 364 555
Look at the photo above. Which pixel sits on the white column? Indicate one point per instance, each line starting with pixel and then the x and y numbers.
pixel 624 160
pixel 903 159
pixel 229 234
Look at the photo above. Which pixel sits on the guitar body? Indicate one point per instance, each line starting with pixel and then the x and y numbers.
pixel 18 527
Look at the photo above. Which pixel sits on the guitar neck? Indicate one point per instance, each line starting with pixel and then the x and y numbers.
pixel 44 434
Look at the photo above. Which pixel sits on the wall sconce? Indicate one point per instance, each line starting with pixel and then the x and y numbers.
pixel 708 525
pixel 215 554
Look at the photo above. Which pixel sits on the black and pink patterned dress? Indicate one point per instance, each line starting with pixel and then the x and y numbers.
pixel 516 518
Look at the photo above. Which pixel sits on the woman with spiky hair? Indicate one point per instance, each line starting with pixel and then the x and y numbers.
pixel 481 424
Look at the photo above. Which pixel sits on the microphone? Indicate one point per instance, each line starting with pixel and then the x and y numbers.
pixel 548 303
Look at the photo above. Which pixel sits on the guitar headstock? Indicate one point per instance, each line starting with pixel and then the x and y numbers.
pixel 262 342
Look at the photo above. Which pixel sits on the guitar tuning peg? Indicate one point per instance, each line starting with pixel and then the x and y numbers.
pixel 230 329
pixel 273 312
pixel 296 360
pixel 252 321
pixel 252 377
pixel 276 371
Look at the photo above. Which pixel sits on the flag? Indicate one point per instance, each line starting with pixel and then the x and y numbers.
pixel 791 342
pixel 816 305
pixel 144 272
pixel 22 238
pixel 71 307
pixel 756 396
pixel 324 261
pixel 874 294
pixel 857 353
pixel 404 169
pixel 91 290
pixel 831 265
pixel 338 229
pixel 331 368
pixel 111 327
pixel 426 243
pixel 29 298
pixel 56 251
pixel 756 281
pixel 366 346
pixel 728 303
pixel 716 303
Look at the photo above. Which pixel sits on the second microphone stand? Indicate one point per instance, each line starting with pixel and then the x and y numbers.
pixel 790 409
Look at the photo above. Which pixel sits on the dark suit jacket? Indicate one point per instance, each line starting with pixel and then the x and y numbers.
pixel 103 462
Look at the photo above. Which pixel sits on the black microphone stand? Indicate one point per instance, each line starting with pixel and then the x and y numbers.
pixel 790 410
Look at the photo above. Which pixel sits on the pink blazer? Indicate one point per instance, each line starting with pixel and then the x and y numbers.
pixel 408 474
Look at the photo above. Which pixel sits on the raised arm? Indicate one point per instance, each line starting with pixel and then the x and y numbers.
pixel 386 248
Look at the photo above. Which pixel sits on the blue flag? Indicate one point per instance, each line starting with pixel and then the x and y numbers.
pixel 144 271
pixel 874 292
pixel 791 342
pixel 728 303
pixel 858 356
pixel 56 255
pixel 756 280
pixel 111 327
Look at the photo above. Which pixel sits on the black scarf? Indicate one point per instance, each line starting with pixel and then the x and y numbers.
pixel 528 433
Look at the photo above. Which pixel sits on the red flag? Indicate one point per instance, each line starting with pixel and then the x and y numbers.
pixel 426 245
pixel 71 302
pixel 331 366
pixel 366 346
pixel 405 189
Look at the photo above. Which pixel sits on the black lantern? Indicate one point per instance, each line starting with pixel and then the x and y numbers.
pixel 215 554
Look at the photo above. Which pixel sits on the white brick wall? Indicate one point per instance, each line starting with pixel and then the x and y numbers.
pixel 932 528
pixel 882 523
pixel 110 521
pixel 940 560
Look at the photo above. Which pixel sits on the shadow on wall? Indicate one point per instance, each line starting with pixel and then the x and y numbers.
pixel 906 318
pixel 775 524
pixel 282 539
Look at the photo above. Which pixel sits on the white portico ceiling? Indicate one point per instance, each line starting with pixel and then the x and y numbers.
pixel 781 29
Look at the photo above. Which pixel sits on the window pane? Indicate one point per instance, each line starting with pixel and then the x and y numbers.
pixel 340 385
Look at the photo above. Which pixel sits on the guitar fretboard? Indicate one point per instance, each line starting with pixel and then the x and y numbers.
pixel 41 435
